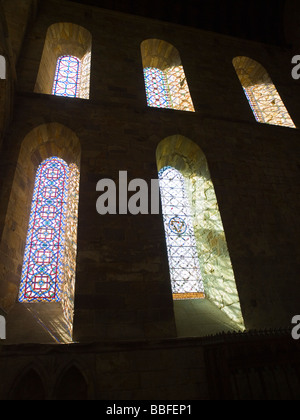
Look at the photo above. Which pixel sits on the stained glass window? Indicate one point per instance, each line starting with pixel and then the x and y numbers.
pixel 167 89
pixel 50 254
pixel 157 90
pixel 179 90
pixel 67 77
pixel 183 258
pixel 262 95
pixel 267 106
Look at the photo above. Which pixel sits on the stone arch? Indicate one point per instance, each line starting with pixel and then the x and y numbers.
pixel 72 384
pixel 28 387
pixel 62 38
pixel 159 54
pixel 219 282
pixel 41 143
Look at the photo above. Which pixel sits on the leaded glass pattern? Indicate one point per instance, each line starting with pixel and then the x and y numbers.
pixel 168 89
pixel 157 90
pixel 49 265
pixel 67 77
pixel 267 105
pixel 43 274
pixel 262 95
pixel 183 258
pixel 179 90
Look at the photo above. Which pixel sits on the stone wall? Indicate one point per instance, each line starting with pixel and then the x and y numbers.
pixel 253 366
pixel 122 288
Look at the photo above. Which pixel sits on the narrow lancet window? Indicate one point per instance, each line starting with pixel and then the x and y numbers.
pixel 48 273
pixel 183 258
pixel 165 80
pixel 263 97
pixel 157 89
pixel 68 72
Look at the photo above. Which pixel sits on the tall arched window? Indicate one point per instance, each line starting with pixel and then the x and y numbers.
pixel 199 260
pixel 184 264
pixel 262 95
pixel 48 273
pixel 165 80
pixel 66 62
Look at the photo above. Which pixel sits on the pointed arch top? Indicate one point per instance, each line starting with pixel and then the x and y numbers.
pixel 72 384
pixel 29 387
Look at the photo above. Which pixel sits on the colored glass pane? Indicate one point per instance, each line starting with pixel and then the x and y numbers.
pixel 157 90
pixel 42 274
pixel 179 90
pixel 49 265
pixel 183 258
pixel 67 77
pixel 267 106
pixel 262 95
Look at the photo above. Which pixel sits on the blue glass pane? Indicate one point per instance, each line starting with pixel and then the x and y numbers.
pixel 67 75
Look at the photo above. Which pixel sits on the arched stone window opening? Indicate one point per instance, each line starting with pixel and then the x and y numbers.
pixel 261 93
pixel 65 67
pixel 49 265
pixel 40 232
pixel 189 202
pixel 165 80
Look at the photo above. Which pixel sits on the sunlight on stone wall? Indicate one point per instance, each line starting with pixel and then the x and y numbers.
pixel 215 263
pixel 262 95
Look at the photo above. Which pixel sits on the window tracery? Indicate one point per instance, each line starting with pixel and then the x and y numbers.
pixel 183 258
pixel 49 264
pixel 67 77
pixel 72 77
pixel 168 89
